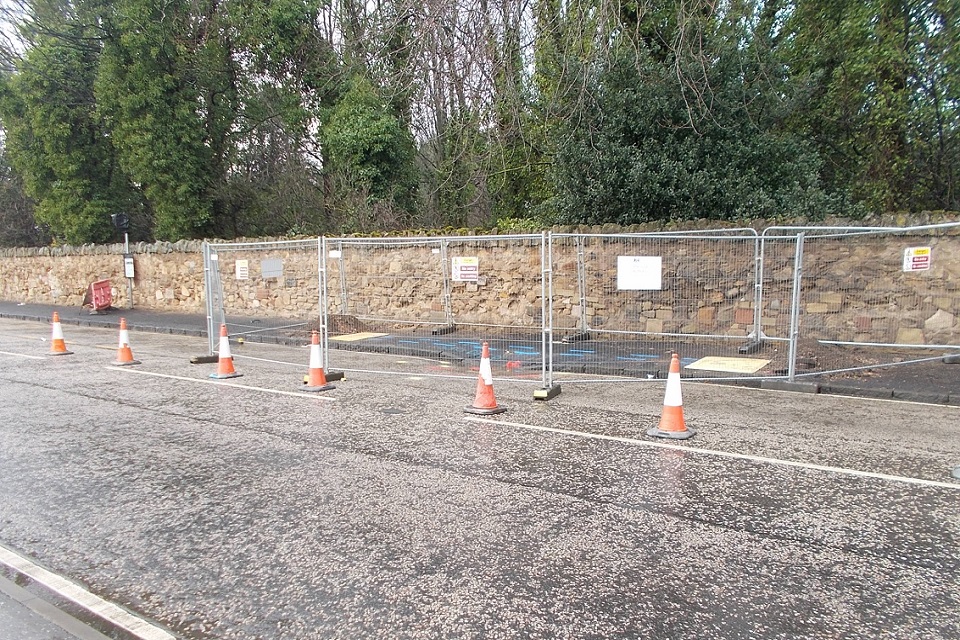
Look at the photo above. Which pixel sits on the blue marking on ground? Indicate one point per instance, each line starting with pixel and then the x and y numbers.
pixel 580 351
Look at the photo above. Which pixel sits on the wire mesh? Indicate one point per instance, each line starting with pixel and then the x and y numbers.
pixel 430 303
pixel 596 307
pixel 264 291
pixel 624 303
pixel 873 296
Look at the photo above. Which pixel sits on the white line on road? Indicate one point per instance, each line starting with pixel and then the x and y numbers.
pixel 114 615
pixel 723 454
pixel 21 355
pixel 221 383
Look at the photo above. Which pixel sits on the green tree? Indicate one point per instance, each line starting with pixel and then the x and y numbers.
pixel 370 153
pixel 56 141
pixel 682 120
pixel 165 89
pixel 18 227
pixel 880 96
pixel 289 81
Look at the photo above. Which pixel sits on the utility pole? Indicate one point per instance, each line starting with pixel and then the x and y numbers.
pixel 122 222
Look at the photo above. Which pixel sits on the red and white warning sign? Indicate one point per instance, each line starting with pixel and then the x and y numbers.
pixel 465 269
pixel 917 258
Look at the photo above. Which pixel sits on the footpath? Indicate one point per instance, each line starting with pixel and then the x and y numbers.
pixel 935 379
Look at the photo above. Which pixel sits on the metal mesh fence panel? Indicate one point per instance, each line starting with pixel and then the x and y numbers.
pixel 595 307
pixel 428 304
pixel 624 303
pixel 872 296
pixel 264 291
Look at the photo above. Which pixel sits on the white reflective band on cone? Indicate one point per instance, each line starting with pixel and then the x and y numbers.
pixel 224 347
pixel 673 396
pixel 485 371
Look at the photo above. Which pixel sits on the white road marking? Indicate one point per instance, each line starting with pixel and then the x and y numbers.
pixel 223 383
pixel 21 355
pixel 723 454
pixel 136 627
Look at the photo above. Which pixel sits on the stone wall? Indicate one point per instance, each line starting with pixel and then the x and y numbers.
pixel 169 276
pixel 853 288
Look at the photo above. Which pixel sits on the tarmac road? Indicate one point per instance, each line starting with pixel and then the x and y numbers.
pixel 248 509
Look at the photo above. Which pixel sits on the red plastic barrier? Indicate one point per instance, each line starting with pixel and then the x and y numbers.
pixel 101 298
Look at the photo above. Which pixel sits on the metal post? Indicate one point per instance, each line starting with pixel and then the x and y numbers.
pixel 795 308
pixel 212 336
pixel 447 288
pixel 126 252
pixel 549 389
pixel 322 297
pixel 344 302
pixel 582 286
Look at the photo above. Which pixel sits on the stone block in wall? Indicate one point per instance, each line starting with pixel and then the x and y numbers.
pixel 743 315
pixel 947 304
pixel 833 300
pixel 910 336
pixel 654 325
pixel 707 315
pixel 863 324
pixel 818 307
pixel 939 321
pixel 664 314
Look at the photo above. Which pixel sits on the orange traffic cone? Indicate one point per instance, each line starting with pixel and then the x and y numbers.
pixel 225 362
pixel 124 353
pixel 316 380
pixel 57 346
pixel 671 421
pixel 485 403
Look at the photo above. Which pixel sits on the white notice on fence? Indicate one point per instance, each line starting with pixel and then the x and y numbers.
pixel 639 273
pixel 243 269
pixel 465 269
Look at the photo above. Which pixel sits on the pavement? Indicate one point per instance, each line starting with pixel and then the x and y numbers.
pixel 934 379
pixel 26 616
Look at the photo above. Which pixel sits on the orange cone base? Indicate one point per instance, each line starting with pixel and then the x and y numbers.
pixel 60 353
pixel 325 387
pixel 224 376
pixel 656 432
pixel 125 363
pixel 483 411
